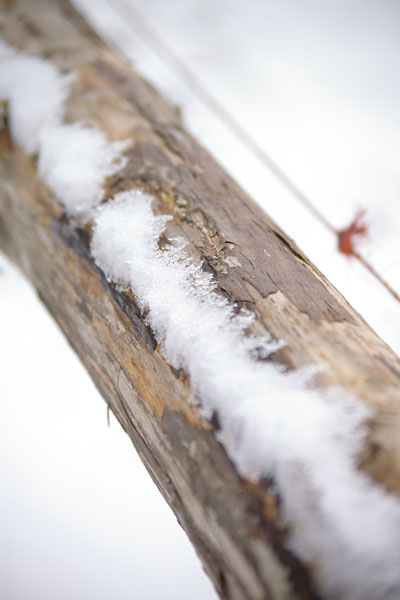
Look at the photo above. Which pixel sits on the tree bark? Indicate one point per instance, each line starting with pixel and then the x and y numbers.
pixel 235 525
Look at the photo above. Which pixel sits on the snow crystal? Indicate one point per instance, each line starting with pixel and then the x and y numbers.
pixel 74 161
pixel 273 423
pixel 35 91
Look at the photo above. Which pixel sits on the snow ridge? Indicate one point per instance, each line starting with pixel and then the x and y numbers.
pixel 273 423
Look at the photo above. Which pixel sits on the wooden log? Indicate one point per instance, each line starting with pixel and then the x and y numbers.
pixel 235 525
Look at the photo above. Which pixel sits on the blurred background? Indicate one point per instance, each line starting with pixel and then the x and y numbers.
pixel 314 86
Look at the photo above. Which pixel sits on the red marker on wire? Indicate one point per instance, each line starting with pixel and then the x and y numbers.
pixel 346 245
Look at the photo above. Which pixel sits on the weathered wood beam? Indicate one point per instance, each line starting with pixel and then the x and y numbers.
pixel 235 525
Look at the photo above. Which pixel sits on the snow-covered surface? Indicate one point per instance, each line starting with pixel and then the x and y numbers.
pixel 79 515
pixel 355 506
pixel 271 424
pixel 316 85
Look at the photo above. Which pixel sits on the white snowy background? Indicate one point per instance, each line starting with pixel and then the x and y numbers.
pixel 318 86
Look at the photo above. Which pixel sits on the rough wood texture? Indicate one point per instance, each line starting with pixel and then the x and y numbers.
pixel 234 525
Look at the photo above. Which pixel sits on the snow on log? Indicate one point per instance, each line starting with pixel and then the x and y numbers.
pixel 263 406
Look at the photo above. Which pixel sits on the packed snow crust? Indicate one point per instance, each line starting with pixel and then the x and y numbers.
pixel 273 424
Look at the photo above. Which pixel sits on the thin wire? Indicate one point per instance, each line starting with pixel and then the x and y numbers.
pixel 164 52
pixel 377 276
pixel 150 36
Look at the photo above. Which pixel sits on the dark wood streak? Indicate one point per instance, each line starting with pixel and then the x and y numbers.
pixel 78 239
